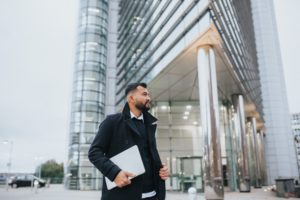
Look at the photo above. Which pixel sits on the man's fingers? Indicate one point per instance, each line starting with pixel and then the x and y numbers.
pixel 124 182
pixel 164 169
pixel 122 179
pixel 164 166
pixel 128 174
pixel 164 172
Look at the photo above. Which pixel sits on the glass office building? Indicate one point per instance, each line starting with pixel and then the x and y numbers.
pixel 200 61
pixel 280 152
pixel 88 96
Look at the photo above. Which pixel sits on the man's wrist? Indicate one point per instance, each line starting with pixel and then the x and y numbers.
pixel 113 173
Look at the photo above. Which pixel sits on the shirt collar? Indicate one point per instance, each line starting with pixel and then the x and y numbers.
pixel 141 117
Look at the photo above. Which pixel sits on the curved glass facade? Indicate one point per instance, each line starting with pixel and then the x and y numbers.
pixel 152 34
pixel 88 97
pixel 235 26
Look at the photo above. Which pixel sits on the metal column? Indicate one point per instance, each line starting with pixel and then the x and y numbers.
pixel 256 154
pixel 229 145
pixel 262 161
pixel 209 110
pixel 242 150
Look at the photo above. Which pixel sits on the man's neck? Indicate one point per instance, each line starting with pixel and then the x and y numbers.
pixel 135 111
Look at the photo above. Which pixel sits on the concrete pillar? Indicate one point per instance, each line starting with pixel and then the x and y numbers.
pixel 209 112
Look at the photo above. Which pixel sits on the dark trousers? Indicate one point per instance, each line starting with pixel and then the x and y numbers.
pixel 151 198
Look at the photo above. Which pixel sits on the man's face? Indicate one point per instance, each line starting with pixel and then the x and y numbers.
pixel 141 98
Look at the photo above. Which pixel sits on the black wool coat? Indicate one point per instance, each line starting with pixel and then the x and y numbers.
pixel 116 134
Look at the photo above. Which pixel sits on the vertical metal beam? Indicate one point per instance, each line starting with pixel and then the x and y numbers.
pixel 170 135
pixel 242 151
pixel 209 110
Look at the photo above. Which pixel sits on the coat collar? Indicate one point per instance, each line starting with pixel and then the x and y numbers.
pixel 141 117
pixel 148 118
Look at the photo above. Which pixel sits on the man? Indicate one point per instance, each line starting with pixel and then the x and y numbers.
pixel 118 132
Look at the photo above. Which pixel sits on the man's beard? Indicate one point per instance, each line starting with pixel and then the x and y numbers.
pixel 142 107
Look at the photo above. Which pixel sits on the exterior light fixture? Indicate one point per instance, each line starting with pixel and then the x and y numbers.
pixel 188 107
pixel 163 107
pixel 94 10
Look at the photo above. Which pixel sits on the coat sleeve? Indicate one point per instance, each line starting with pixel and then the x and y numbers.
pixel 99 148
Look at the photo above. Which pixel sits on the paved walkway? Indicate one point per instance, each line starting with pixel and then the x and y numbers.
pixel 57 192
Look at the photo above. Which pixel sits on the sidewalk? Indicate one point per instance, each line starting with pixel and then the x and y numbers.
pixel 57 192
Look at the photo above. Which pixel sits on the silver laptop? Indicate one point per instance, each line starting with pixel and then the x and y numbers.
pixel 129 160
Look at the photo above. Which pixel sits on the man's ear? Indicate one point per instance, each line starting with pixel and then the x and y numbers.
pixel 130 98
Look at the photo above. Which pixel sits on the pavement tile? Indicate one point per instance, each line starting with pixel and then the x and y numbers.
pixel 57 192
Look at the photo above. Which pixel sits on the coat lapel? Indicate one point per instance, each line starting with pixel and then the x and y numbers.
pixel 128 121
pixel 151 128
pixel 149 121
pixel 133 127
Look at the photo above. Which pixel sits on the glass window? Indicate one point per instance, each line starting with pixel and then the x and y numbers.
pixel 88 127
pixel 75 127
pixel 90 76
pixel 91 85
pixel 75 117
pixel 88 138
pixel 77 95
pixel 90 116
pixel 90 55
pixel 89 66
pixel 81 56
pixel 79 76
pixel 79 66
pixel 90 96
pixel 90 106
pixel 77 86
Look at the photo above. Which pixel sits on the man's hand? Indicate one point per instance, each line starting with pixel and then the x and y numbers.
pixel 122 179
pixel 164 172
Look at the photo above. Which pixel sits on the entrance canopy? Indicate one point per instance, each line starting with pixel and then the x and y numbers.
pixel 179 80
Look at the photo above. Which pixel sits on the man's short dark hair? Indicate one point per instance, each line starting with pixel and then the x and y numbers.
pixel 133 86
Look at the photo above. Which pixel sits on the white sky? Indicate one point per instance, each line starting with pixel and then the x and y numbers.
pixel 37 48
pixel 287 15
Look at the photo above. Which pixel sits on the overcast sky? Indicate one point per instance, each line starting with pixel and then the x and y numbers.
pixel 37 48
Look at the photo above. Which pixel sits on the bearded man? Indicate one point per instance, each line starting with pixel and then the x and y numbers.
pixel 118 132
